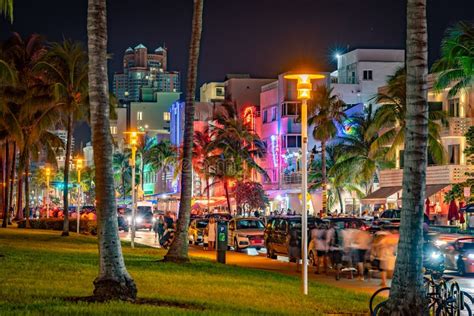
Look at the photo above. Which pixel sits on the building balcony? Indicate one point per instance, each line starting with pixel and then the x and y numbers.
pixel 290 180
pixel 458 126
pixel 444 174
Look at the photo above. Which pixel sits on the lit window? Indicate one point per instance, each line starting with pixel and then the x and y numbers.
pixel 166 116
pixel 139 116
pixel 274 113
pixel 113 130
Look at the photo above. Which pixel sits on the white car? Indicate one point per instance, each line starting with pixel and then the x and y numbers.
pixel 246 232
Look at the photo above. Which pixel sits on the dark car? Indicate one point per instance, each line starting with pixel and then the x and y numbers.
pixel 143 220
pixel 277 233
pixel 220 216
pixel 348 222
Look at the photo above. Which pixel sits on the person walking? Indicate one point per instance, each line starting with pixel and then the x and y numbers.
pixel 361 244
pixel 295 248
pixel 319 236
pixel 211 233
pixel 335 249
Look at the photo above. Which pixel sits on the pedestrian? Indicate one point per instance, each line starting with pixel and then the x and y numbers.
pixel 295 248
pixel 319 236
pixel 383 253
pixel 335 249
pixel 158 228
pixel 211 233
pixel 361 244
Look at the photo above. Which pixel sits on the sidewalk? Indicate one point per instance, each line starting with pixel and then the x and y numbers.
pixel 260 261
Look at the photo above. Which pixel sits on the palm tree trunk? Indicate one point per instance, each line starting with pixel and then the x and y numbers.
pixel 341 203
pixel 226 190
pixel 2 186
pixel 178 251
pixel 12 177
pixel 67 162
pixel 113 281
pixel 27 187
pixel 323 176
pixel 19 193
pixel 6 181
pixel 407 295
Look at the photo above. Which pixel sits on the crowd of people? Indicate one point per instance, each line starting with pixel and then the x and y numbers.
pixel 348 249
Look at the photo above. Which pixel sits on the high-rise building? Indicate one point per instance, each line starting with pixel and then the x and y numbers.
pixel 61 153
pixel 144 74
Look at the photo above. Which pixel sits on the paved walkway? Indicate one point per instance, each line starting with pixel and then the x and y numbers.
pixel 260 261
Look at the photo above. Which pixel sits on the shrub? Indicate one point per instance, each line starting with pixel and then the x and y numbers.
pixel 86 226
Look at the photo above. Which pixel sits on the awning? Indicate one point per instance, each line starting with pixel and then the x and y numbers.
pixel 434 188
pixel 381 195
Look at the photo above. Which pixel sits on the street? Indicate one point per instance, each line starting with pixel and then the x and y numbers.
pixel 256 260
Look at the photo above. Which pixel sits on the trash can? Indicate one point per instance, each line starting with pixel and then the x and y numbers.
pixel 221 241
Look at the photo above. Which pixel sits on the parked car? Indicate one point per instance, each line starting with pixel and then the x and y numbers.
pixel 459 255
pixel 219 216
pixel 277 233
pixel 196 230
pixel 246 232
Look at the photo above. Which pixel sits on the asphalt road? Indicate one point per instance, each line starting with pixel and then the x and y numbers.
pixel 253 259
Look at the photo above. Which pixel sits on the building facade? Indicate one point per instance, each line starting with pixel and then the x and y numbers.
pixel 439 178
pixel 143 74
pixel 362 71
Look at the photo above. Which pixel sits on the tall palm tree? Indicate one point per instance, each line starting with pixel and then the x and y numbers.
pixel 113 281
pixel 456 65
pixel 358 158
pixel 121 169
pixel 65 66
pixel 392 115
pixel 162 157
pixel 201 154
pixel 178 251
pixel 6 8
pixel 29 111
pixel 326 111
pixel 407 294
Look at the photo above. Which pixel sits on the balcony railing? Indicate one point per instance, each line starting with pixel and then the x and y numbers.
pixel 291 179
pixel 445 174
pixel 458 126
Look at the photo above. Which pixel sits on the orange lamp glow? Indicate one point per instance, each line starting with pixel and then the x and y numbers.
pixel 304 86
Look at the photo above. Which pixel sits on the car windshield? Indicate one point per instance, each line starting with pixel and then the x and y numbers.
pixel 201 224
pixel 249 224
pixel 466 244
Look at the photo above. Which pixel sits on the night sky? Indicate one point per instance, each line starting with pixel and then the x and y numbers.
pixel 260 37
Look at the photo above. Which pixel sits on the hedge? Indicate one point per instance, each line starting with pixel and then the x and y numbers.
pixel 86 226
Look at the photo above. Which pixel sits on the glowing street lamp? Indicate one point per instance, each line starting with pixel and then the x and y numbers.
pixel 133 144
pixel 79 192
pixel 304 88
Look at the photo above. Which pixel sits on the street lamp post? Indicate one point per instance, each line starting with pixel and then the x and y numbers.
pixel 79 192
pixel 48 174
pixel 304 88
pixel 133 145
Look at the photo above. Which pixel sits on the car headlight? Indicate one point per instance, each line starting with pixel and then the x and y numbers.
pixel 435 255
pixel 470 256
pixel 439 242
pixel 139 220
pixel 129 219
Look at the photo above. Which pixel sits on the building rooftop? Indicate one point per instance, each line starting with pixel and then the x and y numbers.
pixel 140 46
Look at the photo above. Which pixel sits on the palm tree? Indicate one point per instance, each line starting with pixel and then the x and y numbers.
pixel 66 68
pixel 407 294
pixel 201 155
pixel 456 65
pixel 113 281
pixel 6 8
pixel 178 251
pixel 326 111
pixel 392 115
pixel 122 170
pixel 162 157
pixel 359 158
pixel 29 111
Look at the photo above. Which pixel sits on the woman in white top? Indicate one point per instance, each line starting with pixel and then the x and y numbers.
pixel 211 233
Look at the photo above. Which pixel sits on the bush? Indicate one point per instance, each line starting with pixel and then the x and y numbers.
pixel 86 226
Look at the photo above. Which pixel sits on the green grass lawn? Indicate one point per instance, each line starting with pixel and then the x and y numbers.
pixel 39 269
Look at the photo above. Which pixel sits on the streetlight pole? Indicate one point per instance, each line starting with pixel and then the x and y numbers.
pixel 304 88
pixel 79 192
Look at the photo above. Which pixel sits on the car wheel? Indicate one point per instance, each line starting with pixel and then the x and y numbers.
pixel 461 268
pixel 312 260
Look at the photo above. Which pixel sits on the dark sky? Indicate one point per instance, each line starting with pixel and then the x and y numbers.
pixel 260 37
